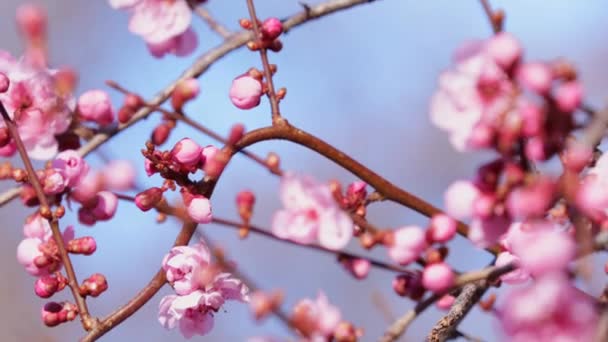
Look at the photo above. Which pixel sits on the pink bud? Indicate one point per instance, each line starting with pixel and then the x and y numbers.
pixel 96 106
pixel 36 227
pixel 50 314
pixel 106 205
pixel 119 175
pixel 576 156
pixel 88 188
pixel 72 166
pixel 532 200
pixel 359 268
pixel 504 48
pixel 186 152
pixel 245 199
pixel 27 251
pixel 184 91
pixel 535 149
pixel 149 167
pixel 437 277
pixel 8 150
pixel 459 199
pixel 53 182
pixel 199 209
pixel 245 92
pixel 32 21
pixel 408 243
pixel 532 116
pixel 4 83
pixel 236 133
pixel 86 216
pixel 445 302
pixel 409 285
pixel 568 96
pixel 208 152
pixel 94 285
pixel 46 286
pixel 161 134
pixel 84 245
pixel 271 28
pixel 214 165
pixel 443 228
pixel 147 199
pixel 536 76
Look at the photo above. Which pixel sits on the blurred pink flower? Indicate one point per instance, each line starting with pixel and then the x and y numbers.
pixel 245 92
pixel 316 319
pixel 73 167
pixel 408 243
pixel 310 213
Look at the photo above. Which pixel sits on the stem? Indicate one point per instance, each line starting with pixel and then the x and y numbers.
pixel 272 96
pixel 496 24
pixel 381 185
pixel 201 65
pixel 32 177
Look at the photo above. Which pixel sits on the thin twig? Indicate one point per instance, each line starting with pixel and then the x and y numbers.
pixel 496 23
pixel 213 24
pixel 201 65
pixel 272 96
pixel 32 177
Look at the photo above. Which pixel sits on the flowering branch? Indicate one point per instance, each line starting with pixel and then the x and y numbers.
pixel 45 211
pixel 201 65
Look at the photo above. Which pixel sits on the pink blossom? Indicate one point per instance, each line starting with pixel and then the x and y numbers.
pixel 88 188
pixel 5 83
pixel 32 21
pixel 185 90
pixel 72 166
pixel 438 277
pixel 271 28
pixel 459 199
pixel 443 228
pixel 38 107
pixel 504 48
pixel 359 268
pixel 180 45
pixel 445 302
pixel 516 276
pixel 199 209
pixel 408 243
pixel 119 175
pixel 180 264
pixel 470 97
pixel 544 249
pixel 107 202
pixel 194 311
pixel 316 318
pixel 31 250
pixel 310 213
pixel 486 231
pixel 568 96
pixel 245 92
pixel 531 200
pixel 536 76
pixel 53 182
pixel 96 106
pixel 186 152
pixel 551 309
pixel 37 227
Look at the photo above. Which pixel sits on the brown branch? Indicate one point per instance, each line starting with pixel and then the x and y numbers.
pixel 486 275
pixel 387 189
pixel 272 96
pixel 495 18
pixel 125 311
pixel 469 296
pixel 32 177
pixel 201 65
pixel 213 24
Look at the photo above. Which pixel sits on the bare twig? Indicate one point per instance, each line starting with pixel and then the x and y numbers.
pixel 85 318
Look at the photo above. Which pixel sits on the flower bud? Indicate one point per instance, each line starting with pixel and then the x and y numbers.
pixel 161 134
pixel 199 209
pixel 46 286
pixel 443 228
pixel 271 29
pixel 186 152
pixel 148 199
pixel 119 175
pixel 236 133
pixel 184 91
pixel 4 83
pixel 245 92
pixel 568 96
pixel 32 21
pixel 535 76
pixel 84 245
pixel 438 277
pixel 94 285
pixel 96 106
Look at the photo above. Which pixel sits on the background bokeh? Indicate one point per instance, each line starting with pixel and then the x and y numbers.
pixel 360 79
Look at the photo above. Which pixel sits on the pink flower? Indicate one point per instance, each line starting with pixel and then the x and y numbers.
pixel 245 92
pixel 438 277
pixel 317 318
pixel 194 310
pixel 471 96
pixel 536 76
pixel 119 175
pixel 445 302
pixel 568 96
pixel 516 276
pixel 486 231
pixel 96 106
pixel 164 25
pixel 34 252
pixel 72 166
pixel 181 45
pixel 310 213
pixel 180 264
pixel 107 202
pixel 199 209
pixel 459 199
pixel 504 48
pixel 409 242
pixel 39 108
pixel 544 249
pixel 531 200
pixel 443 228
pixel 551 309
pixel 186 152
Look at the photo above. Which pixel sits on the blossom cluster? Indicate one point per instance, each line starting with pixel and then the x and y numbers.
pixel 201 290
